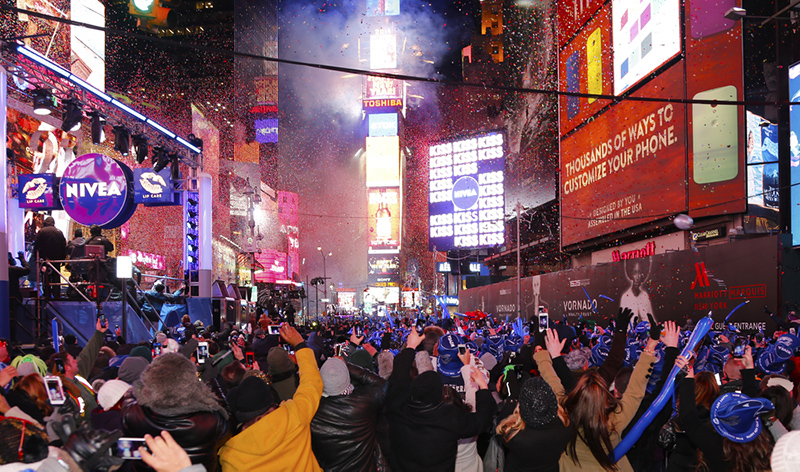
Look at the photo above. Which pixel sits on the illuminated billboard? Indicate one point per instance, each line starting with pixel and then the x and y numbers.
pixel 88 46
pixel 266 130
pixel 383 212
pixel 382 124
pixel 383 161
pixel 383 268
pixel 382 51
pixel 627 166
pixel 383 7
pixel 572 15
pixel 794 150
pixel 763 183
pixel 466 198
pixel 646 35
pixel 382 87
pixel 274 263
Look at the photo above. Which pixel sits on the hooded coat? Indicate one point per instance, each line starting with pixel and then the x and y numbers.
pixel 170 397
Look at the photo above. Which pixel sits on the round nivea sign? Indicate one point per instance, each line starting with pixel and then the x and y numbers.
pixel 95 190
pixel 465 192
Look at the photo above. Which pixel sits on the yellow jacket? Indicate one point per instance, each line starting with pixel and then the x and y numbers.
pixel 280 441
pixel 617 420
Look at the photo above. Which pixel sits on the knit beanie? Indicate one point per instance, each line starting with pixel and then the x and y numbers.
pixel 335 378
pixel 786 453
pixel 426 388
pixel 131 369
pixel 362 358
pixel 252 398
pixel 538 405
pixel 423 361
pixel 111 392
pixel 278 361
pixel 143 352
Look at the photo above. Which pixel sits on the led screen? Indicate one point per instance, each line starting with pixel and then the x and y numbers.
pixel 794 150
pixel 382 87
pixel 646 35
pixel 383 213
pixel 383 124
pixel 383 268
pixel 466 197
pixel 383 161
pixel 266 130
pixel 382 51
pixel 383 7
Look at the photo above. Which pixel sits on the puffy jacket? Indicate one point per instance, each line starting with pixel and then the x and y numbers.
pixel 344 432
pixel 201 433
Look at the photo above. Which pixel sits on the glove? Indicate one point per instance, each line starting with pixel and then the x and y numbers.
pixel 623 318
pixel 655 328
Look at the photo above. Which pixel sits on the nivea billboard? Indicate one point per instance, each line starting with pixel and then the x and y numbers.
pixel 95 190
pixel 36 191
pixel 152 188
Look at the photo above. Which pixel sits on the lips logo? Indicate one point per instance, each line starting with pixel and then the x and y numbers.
pixel 35 188
pixel 152 182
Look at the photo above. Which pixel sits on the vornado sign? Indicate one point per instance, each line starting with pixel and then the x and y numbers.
pixel 95 190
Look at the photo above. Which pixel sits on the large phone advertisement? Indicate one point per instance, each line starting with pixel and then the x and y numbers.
pixel 627 167
pixel 466 199
pixel 572 15
pixel 646 34
pixel 794 150
pixel 586 68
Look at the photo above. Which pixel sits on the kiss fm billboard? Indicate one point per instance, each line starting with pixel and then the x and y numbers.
pixel 671 286
pixel 625 164
pixel 466 199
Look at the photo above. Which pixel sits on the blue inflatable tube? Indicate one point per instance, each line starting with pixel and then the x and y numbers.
pixel 702 328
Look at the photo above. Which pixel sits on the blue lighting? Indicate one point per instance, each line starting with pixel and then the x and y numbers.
pixel 43 61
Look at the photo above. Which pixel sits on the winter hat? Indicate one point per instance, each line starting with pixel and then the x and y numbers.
pixel 252 398
pixel 736 416
pixel 362 358
pixel 426 388
pixel 538 405
pixel 171 346
pixel 488 360
pixel 278 361
pixel 423 361
pixel 385 364
pixel 131 369
pixel 577 359
pixel 786 453
pixel 335 378
pixel 143 352
pixel 111 392
pixel 449 363
pixel 772 360
pixel 169 386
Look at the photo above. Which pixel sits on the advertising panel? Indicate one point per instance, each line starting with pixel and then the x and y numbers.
pixel 383 7
pixel 37 191
pixel 383 161
pixel 466 198
pixel 382 124
pixel 96 190
pixel 627 167
pixel 383 268
pixel 672 286
pixel 382 87
pixel 383 210
pixel 794 150
pixel 266 130
pixel 646 36
pixel 87 46
pixel 386 295
pixel 346 300
pixel 288 217
pixel 150 187
pixel 763 183
pixel 716 133
pixel 572 15
pixel 586 67
pixel 274 263
pixel 382 51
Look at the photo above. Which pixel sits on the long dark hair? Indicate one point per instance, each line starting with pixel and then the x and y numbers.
pixel 783 402
pixel 751 456
pixel 589 405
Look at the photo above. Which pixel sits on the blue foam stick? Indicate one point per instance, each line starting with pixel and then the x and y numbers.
pixel 606 297
pixel 737 307
pixel 54 327
pixel 591 303
pixel 443 304
pixel 701 329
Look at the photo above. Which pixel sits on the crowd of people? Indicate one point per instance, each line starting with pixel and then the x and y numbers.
pixel 413 394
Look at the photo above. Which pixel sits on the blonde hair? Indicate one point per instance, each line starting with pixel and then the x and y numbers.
pixel 513 424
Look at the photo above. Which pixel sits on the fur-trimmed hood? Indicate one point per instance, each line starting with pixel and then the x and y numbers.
pixel 170 386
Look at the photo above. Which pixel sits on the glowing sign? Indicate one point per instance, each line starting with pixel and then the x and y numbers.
pixel 383 7
pixel 37 191
pixel 383 268
pixel 382 103
pixel 794 150
pixel 646 35
pixel 266 130
pixel 382 87
pixel 95 189
pixel 383 210
pixel 383 124
pixel 466 197
pixel 383 161
pixel 382 51
pixel 274 263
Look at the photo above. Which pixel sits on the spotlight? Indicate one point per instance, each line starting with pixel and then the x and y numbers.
pixel 73 115
pixel 122 140
pixel 157 155
pixel 139 148
pixel 161 162
pixel 98 122
pixel 43 102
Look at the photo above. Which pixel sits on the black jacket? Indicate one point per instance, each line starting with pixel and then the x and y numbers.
pixel 425 437
pixel 537 450
pixel 200 433
pixel 344 431
pixel 50 243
